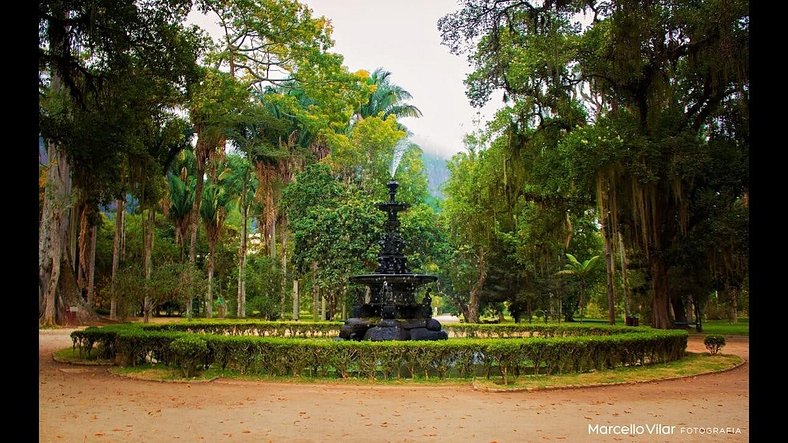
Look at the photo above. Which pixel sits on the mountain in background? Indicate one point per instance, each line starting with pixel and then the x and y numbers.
pixel 437 172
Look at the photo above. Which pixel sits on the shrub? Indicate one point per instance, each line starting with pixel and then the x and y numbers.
pixel 104 339
pixel 275 349
pixel 190 352
pixel 714 343
pixel 263 306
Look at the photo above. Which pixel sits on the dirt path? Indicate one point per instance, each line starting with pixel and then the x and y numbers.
pixel 79 404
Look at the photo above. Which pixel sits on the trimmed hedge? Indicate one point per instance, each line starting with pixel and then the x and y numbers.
pixel 462 357
pixel 331 329
pixel 255 328
pixel 520 330
pixel 190 351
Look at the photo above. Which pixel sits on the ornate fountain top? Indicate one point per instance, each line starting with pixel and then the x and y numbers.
pixel 391 259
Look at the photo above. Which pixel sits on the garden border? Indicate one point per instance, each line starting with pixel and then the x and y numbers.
pixel 281 350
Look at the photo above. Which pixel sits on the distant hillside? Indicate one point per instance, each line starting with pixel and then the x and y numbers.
pixel 437 173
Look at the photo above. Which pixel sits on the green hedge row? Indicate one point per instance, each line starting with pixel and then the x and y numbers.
pixel 324 329
pixel 277 356
pixel 520 330
pixel 255 328
pixel 101 339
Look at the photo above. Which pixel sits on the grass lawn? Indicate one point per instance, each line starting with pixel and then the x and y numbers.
pixel 693 364
pixel 723 327
pixel 70 355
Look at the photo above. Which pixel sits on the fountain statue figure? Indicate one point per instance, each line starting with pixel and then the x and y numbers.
pixel 392 312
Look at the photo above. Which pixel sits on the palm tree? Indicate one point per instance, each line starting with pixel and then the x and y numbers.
pixel 387 98
pixel 241 183
pixel 580 271
pixel 179 207
pixel 215 202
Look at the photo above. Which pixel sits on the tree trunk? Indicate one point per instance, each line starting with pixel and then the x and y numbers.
pixel 266 175
pixel 624 277
pixel 679 309
pixel 92 261
pixel 331 309
pixel 609 273
pixel 660 305
pixel 202 154
pixel 113 306
pixel 296 301
pixel 87 253
pixel 53 232
pixel 472 311
pixel 73 236
pixel 315 293
pixel 209 303
pixel 463 309
pixel 190 297
pixel 569 313
pixel 69 300
pixel 123 232
pixel 283 234
pixel 698 315
pixel 193 230
pixel 83 248
pixel 272 235
pixel 241 308
pixel 733 296
pixel 147 259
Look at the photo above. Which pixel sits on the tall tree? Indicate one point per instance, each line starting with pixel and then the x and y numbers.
pixel 273 47
pixel 240 182
pixel 637 99
pixel 213 212
pixel 120 205
pixel 86 49
pixel 471 226
pixel 333 228
pixel 215 105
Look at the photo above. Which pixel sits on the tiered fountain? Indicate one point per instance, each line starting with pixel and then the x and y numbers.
pixel 392 312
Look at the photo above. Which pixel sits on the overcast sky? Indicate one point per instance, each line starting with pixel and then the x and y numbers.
pixel 402 37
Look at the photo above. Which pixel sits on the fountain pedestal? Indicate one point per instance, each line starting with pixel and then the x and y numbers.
pixel 392 312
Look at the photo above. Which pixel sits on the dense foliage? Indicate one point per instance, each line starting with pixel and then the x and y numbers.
pixel 236 174
pixel 192 147
pixel 635 114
